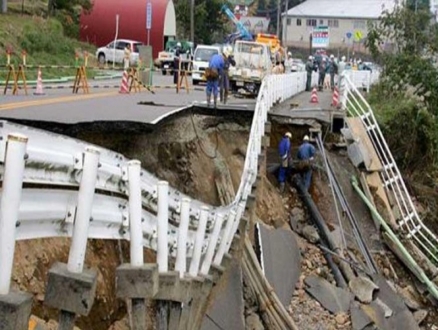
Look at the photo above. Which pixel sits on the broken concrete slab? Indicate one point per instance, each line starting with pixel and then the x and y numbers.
pixel 402 320
pixel 359 318
pixel 227 308
pixel 363 288
pixel 281 260
pixel 420 315
pixel 408 295
pixel 387 312
pixel 332 298
pixel 388 295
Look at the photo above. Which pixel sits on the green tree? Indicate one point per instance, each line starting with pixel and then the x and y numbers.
pixel 210 23
pixel 406 95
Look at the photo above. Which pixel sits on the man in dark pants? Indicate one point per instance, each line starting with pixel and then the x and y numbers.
pixel 306 153
pixel 224 78
pixel 322 70
pixel 309 69
pixel 284 153
pixel 176 59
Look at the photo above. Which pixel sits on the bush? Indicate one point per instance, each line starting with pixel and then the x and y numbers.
pixel 410 128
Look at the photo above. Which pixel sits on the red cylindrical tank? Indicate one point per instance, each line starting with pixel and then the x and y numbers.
pixel 99 26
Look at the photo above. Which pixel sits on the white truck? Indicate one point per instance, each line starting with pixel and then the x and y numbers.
pixel 253 63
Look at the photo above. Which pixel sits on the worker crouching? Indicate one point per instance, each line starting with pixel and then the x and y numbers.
pixel 306 154
pixel 212 73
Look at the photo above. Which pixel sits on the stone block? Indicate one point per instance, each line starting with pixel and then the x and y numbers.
pixel 137 282
pixel 15 309
pixel 71 292
pixel 169 287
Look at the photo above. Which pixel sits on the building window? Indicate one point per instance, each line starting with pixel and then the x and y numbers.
pixel 311 22
pixel 321 22
pixel 333 23
pixel 358 24
pixel 288 21
pixel 298 21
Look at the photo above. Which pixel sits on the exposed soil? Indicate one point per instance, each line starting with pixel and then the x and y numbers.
pixel 191 153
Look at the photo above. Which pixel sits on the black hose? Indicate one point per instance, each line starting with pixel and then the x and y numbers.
pixel 323 230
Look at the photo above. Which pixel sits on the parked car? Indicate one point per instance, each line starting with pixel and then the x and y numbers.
pixel 114 51
pixel 298 65
pixel 201 58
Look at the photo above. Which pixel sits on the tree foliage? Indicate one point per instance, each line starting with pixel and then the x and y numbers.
pixel 211 25
pixel 406 95
pixel 68 13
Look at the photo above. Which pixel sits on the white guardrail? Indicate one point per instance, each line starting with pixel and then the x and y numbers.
pixel 92 192
pixel 362 79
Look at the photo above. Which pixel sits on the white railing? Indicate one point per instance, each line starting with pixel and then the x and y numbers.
pixel 92 192
pixel 393 183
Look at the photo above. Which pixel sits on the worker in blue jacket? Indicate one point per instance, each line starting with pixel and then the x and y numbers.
pixel 284 153
pixel 306 154
pixel 212 73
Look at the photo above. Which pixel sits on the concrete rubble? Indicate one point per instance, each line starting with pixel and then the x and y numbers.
pixel 332 298
pixel 363 289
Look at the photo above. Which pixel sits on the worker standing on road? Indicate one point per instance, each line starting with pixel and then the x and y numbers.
pixel 341 68
pixel 322 68
pixel 306 154
pixel 284 153
pixel 288 63
pixel 176 60
pixel 332 70
pixel 212 73
pixel 309 69
pixel 127 56
pixel 224 78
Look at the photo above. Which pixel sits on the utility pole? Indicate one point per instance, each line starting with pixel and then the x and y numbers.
pixel 192 21
pixel 285 25
pixel 4 6
pixel 278 18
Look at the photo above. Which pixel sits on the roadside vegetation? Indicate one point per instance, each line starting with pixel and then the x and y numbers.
pixel 405 99
pixel 46 39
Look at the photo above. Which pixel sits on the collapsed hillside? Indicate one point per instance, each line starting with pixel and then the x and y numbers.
pixel 202 156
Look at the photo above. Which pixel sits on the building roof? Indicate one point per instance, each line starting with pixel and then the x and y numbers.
pixel 367 9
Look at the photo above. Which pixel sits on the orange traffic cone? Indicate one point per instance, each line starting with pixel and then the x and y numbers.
pixel 335 99
pixel 314 96
pixel 39 87
pixel 124 86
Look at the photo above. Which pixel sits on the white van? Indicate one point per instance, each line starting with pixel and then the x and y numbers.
pixel 201 58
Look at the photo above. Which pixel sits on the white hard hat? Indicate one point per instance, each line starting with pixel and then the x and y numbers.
pixel 310 57
pixel 343 58
pixel 289 53
pixel 288 134
pixel 178 44
pixel 306 138
pixel 332 56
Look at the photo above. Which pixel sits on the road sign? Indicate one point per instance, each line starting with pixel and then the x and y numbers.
pixel 148 16
pixel 358 35
pixel 349 35
pixel 320 37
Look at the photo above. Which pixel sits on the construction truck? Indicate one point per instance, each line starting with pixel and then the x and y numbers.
pixel 166 57
pixel 253 63
pixel 241 34
pixel 274 44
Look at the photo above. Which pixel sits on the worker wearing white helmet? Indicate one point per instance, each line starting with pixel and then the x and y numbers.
pixel 288 64
pixel 310 67
pixel 176 61
pixel 341 68
pixel 284 151
pixel 224 81
pixel 306 154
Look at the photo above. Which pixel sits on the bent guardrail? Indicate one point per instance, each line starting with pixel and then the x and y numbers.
pixel 171 223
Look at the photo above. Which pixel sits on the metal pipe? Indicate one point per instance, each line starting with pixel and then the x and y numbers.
pixel 212 244
pixel 163 226
pixel 10 204
pixel 135 209
pixel 430 285
pixel 199 240
pixel 322 227
pixel 180 263
pixel 87 187
pixel 239 212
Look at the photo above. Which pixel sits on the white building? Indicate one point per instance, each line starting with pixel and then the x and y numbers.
pixel 346 20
